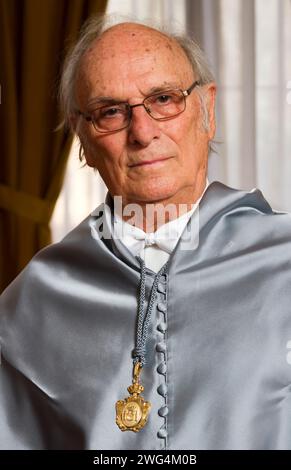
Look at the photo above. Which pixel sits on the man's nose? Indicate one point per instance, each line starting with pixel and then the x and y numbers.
pixel 143 128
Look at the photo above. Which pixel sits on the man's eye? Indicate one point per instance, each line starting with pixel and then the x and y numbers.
pixel 164 99
pixel 110 112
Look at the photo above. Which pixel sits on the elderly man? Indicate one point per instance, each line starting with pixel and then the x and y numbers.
pixel 163 320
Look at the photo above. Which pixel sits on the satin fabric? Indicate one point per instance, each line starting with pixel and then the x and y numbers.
pixel 218 371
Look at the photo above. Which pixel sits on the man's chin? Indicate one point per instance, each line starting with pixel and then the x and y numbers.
pixel 154 195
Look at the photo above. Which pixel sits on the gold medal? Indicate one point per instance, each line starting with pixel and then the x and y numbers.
pixel 132 412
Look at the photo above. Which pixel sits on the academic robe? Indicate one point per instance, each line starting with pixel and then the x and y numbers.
pixel 218 371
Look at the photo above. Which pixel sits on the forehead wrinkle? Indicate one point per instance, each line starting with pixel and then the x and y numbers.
pixel 98 69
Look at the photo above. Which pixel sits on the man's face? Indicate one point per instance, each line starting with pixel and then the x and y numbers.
pixel 128 63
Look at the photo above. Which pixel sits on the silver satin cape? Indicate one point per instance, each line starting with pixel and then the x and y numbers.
pixel 218 372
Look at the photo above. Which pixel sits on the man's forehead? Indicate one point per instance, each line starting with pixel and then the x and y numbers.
pixel 129 40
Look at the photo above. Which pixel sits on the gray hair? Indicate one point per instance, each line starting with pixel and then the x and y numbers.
pixel 93 29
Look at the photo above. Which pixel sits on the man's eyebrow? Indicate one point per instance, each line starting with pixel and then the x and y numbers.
pixel 155 89
pixel 103 100
pixel 165 86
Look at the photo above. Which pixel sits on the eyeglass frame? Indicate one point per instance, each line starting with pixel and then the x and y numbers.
pixel 185 93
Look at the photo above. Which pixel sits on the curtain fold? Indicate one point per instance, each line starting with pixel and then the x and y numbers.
pixel 248 44
pixel 34 37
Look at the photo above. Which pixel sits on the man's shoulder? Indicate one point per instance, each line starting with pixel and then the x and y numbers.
pixel 251 201
pixel 243 215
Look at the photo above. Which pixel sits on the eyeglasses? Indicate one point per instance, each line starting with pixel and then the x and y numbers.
pixel 160 106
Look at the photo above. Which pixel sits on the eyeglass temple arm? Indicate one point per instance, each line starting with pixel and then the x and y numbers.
pixel 187 92
pixel 85 116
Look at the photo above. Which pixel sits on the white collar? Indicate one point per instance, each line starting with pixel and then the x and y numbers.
pixel 134 238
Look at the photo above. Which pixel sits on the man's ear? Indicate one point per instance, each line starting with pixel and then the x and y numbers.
pixel 73 120
pixel 87 155
pixel 210 103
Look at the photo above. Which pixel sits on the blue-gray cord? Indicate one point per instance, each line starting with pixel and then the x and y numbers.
pixel 143 318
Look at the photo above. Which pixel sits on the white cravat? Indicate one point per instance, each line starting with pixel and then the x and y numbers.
pixel 153 247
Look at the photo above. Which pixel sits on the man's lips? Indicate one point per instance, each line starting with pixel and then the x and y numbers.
pixel 149 162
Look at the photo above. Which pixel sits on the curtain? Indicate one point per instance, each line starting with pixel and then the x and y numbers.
pixel 34 36
pixel 248 43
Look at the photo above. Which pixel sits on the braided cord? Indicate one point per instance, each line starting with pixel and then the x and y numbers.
pixel 143 320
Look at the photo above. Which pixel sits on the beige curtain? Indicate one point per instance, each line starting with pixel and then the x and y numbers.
pixel 34 36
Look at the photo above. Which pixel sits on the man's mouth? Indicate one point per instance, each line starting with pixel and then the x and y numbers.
pixel 150 162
